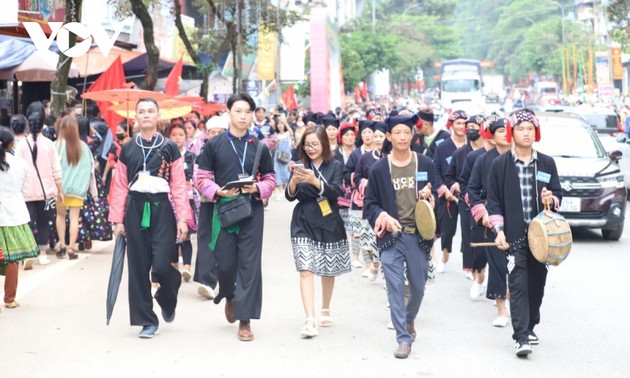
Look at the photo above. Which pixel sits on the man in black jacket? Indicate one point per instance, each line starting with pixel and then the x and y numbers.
pixel 521 182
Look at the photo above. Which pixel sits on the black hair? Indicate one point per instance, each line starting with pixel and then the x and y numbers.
pixel 123 124
pixel 93 111
pixel 36 125
pixel 175 125
pixel 148 99
pixel 19 124
pixel 241 97
pixel 196 113
pixel 260 108
pixel 35 107
pixel 6 138
pixel 84 128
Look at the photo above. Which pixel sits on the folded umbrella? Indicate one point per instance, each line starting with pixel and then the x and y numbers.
pixel 115 275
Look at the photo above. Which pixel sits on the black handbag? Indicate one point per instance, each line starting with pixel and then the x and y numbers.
pixel 236 211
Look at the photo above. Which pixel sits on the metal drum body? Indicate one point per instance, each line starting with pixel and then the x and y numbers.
pixel 550 238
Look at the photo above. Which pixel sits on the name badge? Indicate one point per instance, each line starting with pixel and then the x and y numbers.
pixel 448 160
pixel 422 176
pixel 543 176
pixel 324 206
pixel 242 176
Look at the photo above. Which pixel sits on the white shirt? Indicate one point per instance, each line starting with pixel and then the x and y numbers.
pixel 13 186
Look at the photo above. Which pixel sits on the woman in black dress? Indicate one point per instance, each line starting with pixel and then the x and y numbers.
pixel 318 238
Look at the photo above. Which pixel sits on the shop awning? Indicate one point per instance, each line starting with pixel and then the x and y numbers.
pixel 94 63
pixel 14 52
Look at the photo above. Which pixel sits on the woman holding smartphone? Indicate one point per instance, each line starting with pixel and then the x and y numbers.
pixel 318 238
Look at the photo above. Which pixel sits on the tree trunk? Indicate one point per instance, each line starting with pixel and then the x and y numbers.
pixel 151 76
pixel 60 82
pixel 191 51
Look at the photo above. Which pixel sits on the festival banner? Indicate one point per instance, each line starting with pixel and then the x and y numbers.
pixel 266 53
pixel 617 66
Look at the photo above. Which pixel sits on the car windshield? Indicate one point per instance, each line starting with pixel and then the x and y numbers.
pixel 460 85
pixel 569 141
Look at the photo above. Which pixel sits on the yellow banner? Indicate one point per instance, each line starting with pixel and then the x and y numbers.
pixel 266 54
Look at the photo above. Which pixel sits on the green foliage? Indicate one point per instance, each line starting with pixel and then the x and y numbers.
pixel 406 38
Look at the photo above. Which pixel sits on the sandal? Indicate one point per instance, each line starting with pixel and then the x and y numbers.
pixel 71 254
pixel 309 329
pixel 60 250
pixel 325 320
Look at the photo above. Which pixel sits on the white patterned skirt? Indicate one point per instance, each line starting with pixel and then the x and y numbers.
pixel 323 259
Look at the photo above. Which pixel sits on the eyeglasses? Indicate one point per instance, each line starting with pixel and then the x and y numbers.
pixel 313 146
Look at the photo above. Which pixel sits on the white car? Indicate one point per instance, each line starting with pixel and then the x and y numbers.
pixel 620 143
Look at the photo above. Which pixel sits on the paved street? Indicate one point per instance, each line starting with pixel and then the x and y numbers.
pixel 60 331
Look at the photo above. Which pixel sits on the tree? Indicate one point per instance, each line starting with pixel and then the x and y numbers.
pixel 60 82
pixel 408 36
pixel 240 21
pixel 618 12
pixel 139 8
pixel 192 52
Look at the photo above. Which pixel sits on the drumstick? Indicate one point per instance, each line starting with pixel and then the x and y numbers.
pixel 484 244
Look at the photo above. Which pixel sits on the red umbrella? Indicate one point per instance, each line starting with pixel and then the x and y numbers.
pixel 124 95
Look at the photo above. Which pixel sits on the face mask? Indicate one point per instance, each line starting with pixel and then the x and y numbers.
pixel 300 124
pixel 77 110
pixel 120 136
pixel 472 134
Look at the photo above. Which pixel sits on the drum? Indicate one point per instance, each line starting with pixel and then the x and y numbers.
pixel 550 238
pixel 425 219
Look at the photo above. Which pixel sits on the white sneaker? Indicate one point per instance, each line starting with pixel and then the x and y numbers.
pixel 476 289
pixel 501 321
pixel 366 274
pixel 390 325
pixel 205 291
pixel 357 264
pixel 440 267
pixel 469 275
pixel 186 275
pixel 43 260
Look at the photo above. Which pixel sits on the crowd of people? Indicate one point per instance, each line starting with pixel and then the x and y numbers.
pixel 356 175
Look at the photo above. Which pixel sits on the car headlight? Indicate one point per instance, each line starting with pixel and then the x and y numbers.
pixel 612 181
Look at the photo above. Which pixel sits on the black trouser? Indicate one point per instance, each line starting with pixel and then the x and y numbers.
pixel 466 222
pixel 527 288
pixel 206 262
pixel 447 216
pixel 497 273
pixel 478 254
pixel 151 250
pixel 239 265
pixel 39 222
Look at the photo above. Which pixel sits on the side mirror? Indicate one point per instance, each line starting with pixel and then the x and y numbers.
pixel 615 155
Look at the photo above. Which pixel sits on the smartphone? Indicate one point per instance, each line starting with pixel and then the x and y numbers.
pixel 299 166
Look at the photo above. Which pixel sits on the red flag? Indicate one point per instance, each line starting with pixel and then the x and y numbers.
pixel 171 86
pixel 288 97
pixel 112 78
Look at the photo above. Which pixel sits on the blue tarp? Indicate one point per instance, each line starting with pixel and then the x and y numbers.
pixel 13 52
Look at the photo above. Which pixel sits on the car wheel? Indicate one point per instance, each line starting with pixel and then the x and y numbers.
pixel 614 234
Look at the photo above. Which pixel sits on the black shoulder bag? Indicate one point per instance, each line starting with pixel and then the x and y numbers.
pixel 50 203
pixel 239 209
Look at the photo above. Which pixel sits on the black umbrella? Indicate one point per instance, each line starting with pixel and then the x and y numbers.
pixel 115 275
